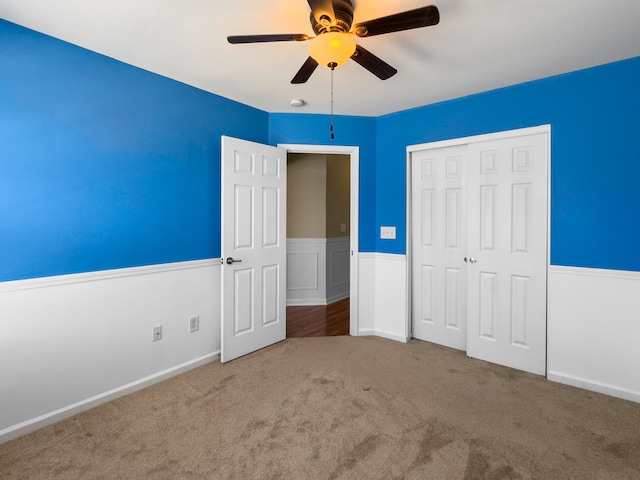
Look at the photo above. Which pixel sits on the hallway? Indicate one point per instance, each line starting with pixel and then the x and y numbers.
pixel 318 321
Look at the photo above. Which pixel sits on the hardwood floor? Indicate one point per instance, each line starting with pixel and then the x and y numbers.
pixel 319 321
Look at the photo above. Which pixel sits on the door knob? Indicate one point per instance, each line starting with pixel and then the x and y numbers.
pixel 231 260
pixel 470 260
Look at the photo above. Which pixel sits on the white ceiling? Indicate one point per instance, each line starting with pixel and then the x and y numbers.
pixel 479 45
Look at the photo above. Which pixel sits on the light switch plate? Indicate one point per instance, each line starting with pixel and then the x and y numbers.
pixel 388 233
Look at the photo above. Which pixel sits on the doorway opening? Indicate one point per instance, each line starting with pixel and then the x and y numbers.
pixel 318 244
pixel 322 240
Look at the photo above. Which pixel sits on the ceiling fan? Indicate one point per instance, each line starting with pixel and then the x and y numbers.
pixel 334 43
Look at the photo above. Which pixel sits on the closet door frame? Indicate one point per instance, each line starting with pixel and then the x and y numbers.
pixel 458 142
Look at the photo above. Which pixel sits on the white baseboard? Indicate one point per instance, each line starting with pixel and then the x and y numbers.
pixel 305 302
pixel 594 386
pixel 337 298
pixel 314 302
pixel 370 332
pixel 392 336
pixel 42 421
pixel 366 332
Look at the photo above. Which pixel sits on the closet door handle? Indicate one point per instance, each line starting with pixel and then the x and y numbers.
pixel 470 260
pixel 231 261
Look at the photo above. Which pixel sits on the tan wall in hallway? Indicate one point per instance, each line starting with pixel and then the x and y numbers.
pixel 306 196
pixel 338 190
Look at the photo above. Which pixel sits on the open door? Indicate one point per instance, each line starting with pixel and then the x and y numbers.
pixel 253 247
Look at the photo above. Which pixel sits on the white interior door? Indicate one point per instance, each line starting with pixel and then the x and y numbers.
pixel 439 237
pixel 508 252
pixel 253 247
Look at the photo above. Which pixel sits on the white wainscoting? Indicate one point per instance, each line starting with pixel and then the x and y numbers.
pixel 71 342
pixel 367 294
pixel 317 270
pixel 75 341
pixel 338 268
pixel 383 296
pixel 306 271
pixel 594 330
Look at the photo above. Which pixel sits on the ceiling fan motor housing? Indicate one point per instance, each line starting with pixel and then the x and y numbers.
pixel 334 43
pixel 343 10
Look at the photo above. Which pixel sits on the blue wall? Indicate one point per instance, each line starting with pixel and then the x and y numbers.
pixel 595 172
pixel 349 131
pixel 103 165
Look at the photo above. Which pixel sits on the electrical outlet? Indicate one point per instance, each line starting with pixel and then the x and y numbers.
pixel 157 333
pixel 388 233
pixel 194 323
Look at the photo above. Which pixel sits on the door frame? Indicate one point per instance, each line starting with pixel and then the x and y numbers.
pixel 465 141
pixel 354 166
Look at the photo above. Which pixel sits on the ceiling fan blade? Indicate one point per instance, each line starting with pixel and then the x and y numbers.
pixel 375 65
pixel 420 17
pixel 321 8
pixel 308 67
pixel 292 37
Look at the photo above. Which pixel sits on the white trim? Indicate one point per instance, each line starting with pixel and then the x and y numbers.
pixel 480 138
pixel 337 298
pixel 50 418
pixel 593 386
pixel 354 153
pixel 313 302
pixel 306 302
pixel 408 321
pixel 595 272
pixel 43 282
pixel 392 336
pixel 367 332
pixel 396 257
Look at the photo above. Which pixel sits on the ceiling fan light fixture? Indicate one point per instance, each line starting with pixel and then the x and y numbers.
pixel 332 48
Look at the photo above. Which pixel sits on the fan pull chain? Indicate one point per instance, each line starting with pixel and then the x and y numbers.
pixel 333 67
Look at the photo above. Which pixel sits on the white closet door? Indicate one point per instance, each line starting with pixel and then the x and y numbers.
pixel 507 252
pixel 439 235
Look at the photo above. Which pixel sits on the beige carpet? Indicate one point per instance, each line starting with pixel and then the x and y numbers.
pixel 342 408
